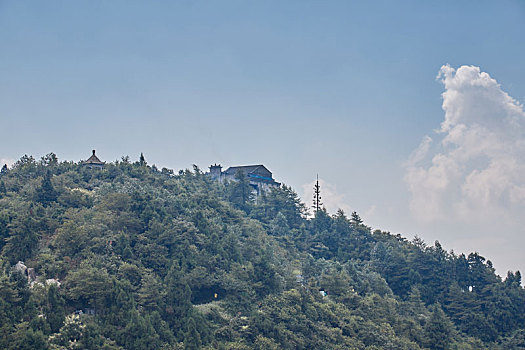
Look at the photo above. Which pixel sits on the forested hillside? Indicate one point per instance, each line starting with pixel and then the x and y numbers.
pixel 133 257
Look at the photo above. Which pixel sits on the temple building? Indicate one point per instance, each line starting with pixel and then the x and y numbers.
pixel 258 176
pixel 93 162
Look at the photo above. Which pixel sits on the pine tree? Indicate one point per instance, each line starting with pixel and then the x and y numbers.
pixel 241 193
pixel 439 330
pixel 142 160
pixel 49 159
pixel 192 338
pixel 178 300
pixel 46 193
pixel 3 190
pixel 54 309
pixel 317 196
pixel 356 219
pixel 279 226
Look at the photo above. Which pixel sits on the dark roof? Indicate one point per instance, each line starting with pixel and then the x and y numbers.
pixel 247 169
pixel 256 173
pixel 93 159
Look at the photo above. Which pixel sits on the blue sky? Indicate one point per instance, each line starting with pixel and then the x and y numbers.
pixel 344 89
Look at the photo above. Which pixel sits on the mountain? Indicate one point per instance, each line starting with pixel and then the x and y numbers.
pixel 133 257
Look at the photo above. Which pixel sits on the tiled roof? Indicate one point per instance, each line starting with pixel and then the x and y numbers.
pixel 245 169
pixel 93 159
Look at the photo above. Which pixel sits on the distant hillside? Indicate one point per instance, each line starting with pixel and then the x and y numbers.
pixel 133 257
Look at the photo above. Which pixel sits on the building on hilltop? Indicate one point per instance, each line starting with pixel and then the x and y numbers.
pixel 258 176
pixel 93 162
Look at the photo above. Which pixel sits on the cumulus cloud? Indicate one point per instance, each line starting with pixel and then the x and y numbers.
pixel 330 197
pixel 419 153
pixel 474 169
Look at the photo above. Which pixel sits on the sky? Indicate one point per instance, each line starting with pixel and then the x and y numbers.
pixel 411 112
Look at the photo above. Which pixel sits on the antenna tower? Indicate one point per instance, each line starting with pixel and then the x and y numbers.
pixel 317 195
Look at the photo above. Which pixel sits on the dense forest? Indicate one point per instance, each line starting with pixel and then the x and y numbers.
pixel 135 257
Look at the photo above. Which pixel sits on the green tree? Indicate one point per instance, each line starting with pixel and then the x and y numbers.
pixel 241 193
pixel 178 300
pixel 439 330
pixel 46 192
pixel 24 232
pixel 279 225
pixel 139 333
pixel 356 219
pixel 142 160
pixel 54 308
pixel 515 341
pixel 192 338
pixel 49 159
pixel 88 285
pixel 513 279
pixel 25 338
pixel 151 292
pixel 282 200
pixel 265 275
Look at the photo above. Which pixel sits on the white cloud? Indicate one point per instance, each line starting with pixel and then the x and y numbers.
pixel 419 153
pixel 9 162
pixel 477 170
pixel 469 177
pixel 330 197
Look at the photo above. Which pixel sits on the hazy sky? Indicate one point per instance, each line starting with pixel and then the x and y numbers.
pixel 410 111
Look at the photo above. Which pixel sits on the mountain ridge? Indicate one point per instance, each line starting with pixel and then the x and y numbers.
pixel 147 258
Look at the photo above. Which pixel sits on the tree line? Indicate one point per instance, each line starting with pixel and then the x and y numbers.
pixel 135 257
